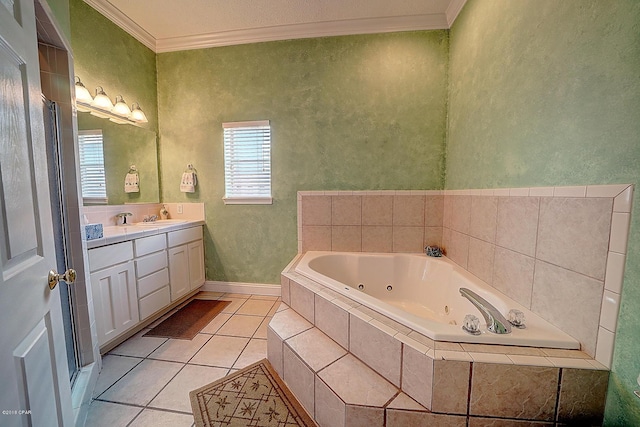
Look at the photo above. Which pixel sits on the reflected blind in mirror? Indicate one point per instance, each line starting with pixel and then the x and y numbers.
pixel 92 172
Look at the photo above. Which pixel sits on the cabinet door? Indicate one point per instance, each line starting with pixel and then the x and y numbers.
pixel 196 264
pixel 115 300
pixel 179 271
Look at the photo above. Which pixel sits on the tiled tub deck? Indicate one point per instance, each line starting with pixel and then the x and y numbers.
pixel 351 366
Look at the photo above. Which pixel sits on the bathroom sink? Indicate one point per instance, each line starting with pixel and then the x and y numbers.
pixel 161 222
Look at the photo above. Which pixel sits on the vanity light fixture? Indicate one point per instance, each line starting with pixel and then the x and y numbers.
pixel 118 120
pixel 137 114
pixel 101 100
pixel 121 107
pixel 82 94
pixel 101 106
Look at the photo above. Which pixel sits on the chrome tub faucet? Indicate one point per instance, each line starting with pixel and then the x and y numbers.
pixel 496 322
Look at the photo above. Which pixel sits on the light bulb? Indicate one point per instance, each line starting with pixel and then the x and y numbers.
pixel 82 93
pixel 137 114
pixel 101 100
pixel 121 107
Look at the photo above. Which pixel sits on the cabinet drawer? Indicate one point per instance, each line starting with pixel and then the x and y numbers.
pixel 107 256
pixel 151 263
pixel 148 245
pixel 154 302
pixel 184 236
pixel 153 282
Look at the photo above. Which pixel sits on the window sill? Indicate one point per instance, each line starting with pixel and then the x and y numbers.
pixel 95 201
pixel 247 200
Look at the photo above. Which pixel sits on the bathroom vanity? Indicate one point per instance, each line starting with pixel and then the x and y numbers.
pixel 139 272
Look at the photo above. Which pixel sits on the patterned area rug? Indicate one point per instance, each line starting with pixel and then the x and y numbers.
pixel 254 396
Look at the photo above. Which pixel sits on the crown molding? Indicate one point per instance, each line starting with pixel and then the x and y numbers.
pixel 439 21
pixel 307 30
pixel 454 9
pixel 123 21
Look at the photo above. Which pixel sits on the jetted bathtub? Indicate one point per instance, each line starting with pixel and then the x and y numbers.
pixel 423 294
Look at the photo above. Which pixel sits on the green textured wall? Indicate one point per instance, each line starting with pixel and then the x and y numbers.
pixel 60 9
pixel 126 145
pixel 546 92
pixel 105 55
pixel 347 113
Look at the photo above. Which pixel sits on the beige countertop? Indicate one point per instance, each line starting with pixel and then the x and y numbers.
pixel 122 233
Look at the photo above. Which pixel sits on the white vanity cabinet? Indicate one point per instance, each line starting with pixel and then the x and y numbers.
pixel 152 273
pixel 141 277
pixel 186 261
pixel 113 286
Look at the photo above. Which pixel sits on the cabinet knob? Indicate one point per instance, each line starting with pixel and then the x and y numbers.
pixel 69 276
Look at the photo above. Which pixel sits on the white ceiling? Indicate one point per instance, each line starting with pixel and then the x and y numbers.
pixel 170 25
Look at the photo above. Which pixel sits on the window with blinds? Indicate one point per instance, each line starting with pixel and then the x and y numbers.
pixel 92 174
pixel 247 162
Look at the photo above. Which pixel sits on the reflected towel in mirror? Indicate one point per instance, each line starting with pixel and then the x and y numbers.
pixel 131 183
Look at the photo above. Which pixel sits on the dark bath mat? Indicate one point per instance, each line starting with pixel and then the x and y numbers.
pixel 185 323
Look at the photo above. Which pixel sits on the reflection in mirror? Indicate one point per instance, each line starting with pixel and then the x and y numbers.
pixel 124 146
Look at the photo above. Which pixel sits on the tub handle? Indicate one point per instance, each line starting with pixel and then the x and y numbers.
pixel 471 324
pixel 496 322
pixel 516 318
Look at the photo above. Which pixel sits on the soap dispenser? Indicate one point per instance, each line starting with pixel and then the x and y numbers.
pixel 164 213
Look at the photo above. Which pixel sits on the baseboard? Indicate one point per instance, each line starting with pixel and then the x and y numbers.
pixel 241 288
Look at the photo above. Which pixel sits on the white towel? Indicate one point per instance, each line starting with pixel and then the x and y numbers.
pixel 189 182
pixel 131 183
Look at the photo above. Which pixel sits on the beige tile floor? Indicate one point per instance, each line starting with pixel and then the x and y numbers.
pixel 145 381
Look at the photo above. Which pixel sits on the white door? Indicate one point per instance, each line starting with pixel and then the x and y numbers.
pixel 34 381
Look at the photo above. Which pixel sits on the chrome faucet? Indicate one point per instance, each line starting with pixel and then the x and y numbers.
pixel 496 322
pixel 122 217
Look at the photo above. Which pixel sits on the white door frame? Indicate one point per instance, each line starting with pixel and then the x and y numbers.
pixel 83 313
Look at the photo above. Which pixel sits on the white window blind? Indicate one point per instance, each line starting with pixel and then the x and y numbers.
pixel 92 174
pixel 247 162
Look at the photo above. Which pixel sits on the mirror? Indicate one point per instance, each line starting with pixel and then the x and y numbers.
pixel 126 145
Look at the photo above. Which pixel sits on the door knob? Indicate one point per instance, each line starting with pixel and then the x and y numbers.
pixel 69 276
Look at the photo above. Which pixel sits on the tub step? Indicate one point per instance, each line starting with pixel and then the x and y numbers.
pixel 335 387
pixel 376 375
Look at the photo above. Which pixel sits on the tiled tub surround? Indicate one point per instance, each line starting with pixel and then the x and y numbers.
pixel 369 221
pixel 351 366
pixel 547 248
